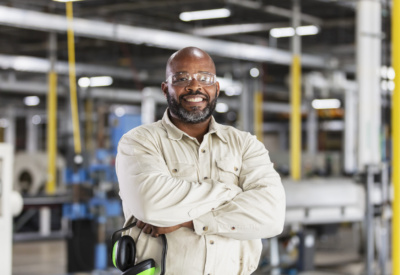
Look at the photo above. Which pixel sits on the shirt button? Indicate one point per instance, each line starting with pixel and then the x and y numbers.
pixel 174 170
pixel 211 242
pixel 205 228
pixel 235 168
pixel 203 151
pixel 205 178
pixel 233 228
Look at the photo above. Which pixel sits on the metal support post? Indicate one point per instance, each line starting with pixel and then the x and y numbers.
pixel 6 172
pixel 52 118
pixel 295 98
pixel 72 79
pixel 396 137
pixel 369 220
pixel 368 78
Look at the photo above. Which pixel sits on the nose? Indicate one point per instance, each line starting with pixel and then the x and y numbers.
pixel 193 85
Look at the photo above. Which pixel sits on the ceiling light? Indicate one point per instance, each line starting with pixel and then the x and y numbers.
pixel 326 103
pixel 84 82
pixel 119 111
pixel 97 81
pixel 282 32
pixel 287 32
pixel 36 119
pixel 222 107
pixel 31 100
pixel 204 14
pixel 391 74
pixel 307 30
pixel 254 72
pixel 100 81
pixel 67 0
pixel 391 85
pixel 4 123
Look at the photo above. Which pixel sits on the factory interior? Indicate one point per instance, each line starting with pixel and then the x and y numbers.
pixel 317 81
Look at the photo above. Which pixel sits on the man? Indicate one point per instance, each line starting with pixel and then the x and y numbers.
pixel 210 188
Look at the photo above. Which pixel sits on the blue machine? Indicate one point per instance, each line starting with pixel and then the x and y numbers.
pixel 99 207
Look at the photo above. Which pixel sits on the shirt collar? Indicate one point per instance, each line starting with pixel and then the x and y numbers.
pixel 176 134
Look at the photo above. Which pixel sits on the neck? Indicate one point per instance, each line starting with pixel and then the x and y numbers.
pixel 197 130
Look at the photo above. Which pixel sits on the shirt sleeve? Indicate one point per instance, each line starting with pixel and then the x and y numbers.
pixel 257 212
pixel 152 195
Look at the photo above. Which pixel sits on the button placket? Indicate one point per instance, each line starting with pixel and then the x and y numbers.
pixel 204 160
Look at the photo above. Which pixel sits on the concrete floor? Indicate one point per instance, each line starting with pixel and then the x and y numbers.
pixel 50 258
pixel 39 258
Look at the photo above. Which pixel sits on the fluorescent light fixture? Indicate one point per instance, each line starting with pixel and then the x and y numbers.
pixel 233 90
pixel 391 74
pixel 97 81
pixel 119 111
pixel 307 30
pixel 326 103
pixel 78 159
pixel 287 32
pixel 282 32
pixel 391 85
pixel 221 107
pixel 254 72
pixel 204 14
pixel 84 82
pixel 384 72
pixel 100 81
pixel 384 85
pixel 31 100
pixel 67 0
pixel 36 119
pixel 4 123
pixel 229 86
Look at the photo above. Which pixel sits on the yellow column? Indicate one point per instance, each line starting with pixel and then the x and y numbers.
pixel 72 79
pixel 295 119
pixel 258 115
pixel 396 137
pixel 52 134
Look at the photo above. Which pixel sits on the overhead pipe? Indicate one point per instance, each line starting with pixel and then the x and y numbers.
pixel 42 65
pixel 152 37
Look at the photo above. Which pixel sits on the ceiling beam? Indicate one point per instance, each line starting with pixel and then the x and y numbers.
pixel 151 37
pixel 42 65
pixel 257 5
pixel 260 27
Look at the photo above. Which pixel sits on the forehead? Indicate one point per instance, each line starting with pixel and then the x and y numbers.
pixel 191 64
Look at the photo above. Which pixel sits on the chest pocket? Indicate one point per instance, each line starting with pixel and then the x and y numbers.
pixel 228 170
pixel 184 171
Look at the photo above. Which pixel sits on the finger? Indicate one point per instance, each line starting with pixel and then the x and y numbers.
pixel 140 224
pixel 154 233
pixel 147 228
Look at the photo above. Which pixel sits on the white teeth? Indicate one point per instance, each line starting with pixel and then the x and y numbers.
pixel 195 99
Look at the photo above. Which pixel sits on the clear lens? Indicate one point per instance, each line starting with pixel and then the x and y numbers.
pixel 184 79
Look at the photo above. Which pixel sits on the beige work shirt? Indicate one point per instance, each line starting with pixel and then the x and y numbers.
pixel 227 185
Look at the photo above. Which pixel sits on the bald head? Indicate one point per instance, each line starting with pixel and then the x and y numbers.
pixel 189 58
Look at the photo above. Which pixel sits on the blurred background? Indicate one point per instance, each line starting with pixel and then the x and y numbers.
pixel 312 79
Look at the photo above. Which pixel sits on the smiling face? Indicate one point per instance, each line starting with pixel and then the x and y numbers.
pixel 193 103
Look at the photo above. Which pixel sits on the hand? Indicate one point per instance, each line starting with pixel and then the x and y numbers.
pixel 155 231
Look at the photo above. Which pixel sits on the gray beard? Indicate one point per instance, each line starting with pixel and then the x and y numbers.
pixel 195 115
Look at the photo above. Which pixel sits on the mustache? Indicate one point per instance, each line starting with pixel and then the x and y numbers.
pixel 197 92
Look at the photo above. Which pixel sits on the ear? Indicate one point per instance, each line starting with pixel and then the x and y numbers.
pixel 164 88
pixel 217 89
